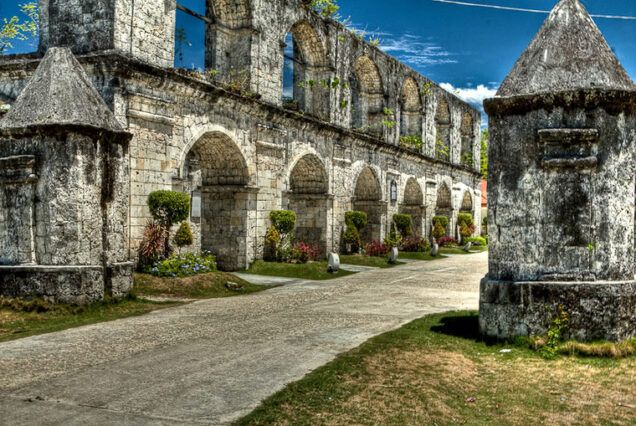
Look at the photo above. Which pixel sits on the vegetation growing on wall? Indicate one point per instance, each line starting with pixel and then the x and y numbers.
pixel 484 153
pixel 20 28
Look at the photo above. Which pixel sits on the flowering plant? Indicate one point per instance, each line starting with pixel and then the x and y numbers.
pixel 447 241
pixel 185 265
pixel 376 248
pixel 415 243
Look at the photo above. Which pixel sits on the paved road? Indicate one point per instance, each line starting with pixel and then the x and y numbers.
pixel 212 361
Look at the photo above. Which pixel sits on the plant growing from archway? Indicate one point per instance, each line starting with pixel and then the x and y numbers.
pixel 168 208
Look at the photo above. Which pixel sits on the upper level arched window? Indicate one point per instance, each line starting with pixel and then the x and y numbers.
pixel 443 131
pixel 367 96
pixel 411 113
pixel 468 134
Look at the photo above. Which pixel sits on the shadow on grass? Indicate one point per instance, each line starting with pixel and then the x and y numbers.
pixel 462 326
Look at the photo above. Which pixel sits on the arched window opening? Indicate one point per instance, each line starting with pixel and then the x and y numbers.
pixel 189 35
pixel 443 132
pixel 413 204
pixel 443 205
pixel 411 115
pixel 308 184
pixel 467 203
pixel 306 79
pixel 468 136
pixel 217 177
pixel 367 198
pixel 367 97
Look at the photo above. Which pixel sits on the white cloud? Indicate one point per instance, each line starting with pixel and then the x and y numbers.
pixel 474 96
pixel 414 51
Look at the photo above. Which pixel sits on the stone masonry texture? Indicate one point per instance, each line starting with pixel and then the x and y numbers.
pixel 561 188
pixel 228 139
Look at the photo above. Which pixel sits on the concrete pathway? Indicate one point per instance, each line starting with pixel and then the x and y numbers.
pixel 213 361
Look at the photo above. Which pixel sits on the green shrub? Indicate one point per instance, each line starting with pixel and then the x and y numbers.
pixel 478 241
pixel 484 221
pixel 283 220
pixel 352 237
pixel 183 237
pixel 272 240
pixel 185 265
pixel 442 220
pixel 169 207
pixel 357 219
pixel 438 230
pixel 404 224
pixel 466 218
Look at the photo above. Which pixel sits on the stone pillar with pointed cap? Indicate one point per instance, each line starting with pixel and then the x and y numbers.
pixel 561 187
pixel 64 185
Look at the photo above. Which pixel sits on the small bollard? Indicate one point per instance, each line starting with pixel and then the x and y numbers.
pixel 333 265
pixel 467 247
pixel 435 250
pixel 393 257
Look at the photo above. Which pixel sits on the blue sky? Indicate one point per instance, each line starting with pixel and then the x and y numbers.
pixel 466 49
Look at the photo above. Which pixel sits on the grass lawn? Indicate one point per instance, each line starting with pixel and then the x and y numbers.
pixel 376 261
pixel 200 286
pixel 15 323
pixel 309 271
pixel 426 371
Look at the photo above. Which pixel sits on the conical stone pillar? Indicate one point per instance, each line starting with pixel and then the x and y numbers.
pixel 561 188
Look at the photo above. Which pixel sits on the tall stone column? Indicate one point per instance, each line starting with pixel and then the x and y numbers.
pixel 561 188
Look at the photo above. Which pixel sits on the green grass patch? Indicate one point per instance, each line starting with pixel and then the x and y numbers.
pixel 429 371
pixel 308 271
pixel 202 286
pixel 375 261
pixel 22 319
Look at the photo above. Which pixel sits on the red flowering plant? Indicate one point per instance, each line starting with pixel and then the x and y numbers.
pixel 415 243
pixel 376 248
pixel 303 253
pixel 447 241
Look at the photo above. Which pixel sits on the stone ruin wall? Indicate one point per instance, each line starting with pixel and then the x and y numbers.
pixel 182 124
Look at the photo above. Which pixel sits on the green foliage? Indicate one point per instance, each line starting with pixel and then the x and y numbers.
pixel 478 241
pixel 438 230
pixel 442 220
pixel 357 219
pixel 283 220
pixel 484 153
pixel 467 160
pixel 183 237
pixel 21 30
pixel 185 265
pixel 555 334
pixel 169 207
pixel 466 218
pixel 441 149
pixel 326 8
pixel 351 237
pixel 181 39
pixel 404 224
pixel 392 240
pixel 411 142
pixel 272 241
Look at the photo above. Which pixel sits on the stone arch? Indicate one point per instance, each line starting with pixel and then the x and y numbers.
pixel 413 204
pixel 411 109
pixel 228 39
pixel 467 134
pixel 368 199
pixel 467 203
pixel 443 131
pixel 217 176
pixel 367 96
pixel 304 60
pixel 308 198
pixel 443 205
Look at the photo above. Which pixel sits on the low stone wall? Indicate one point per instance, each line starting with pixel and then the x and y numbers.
pixel 596 310
pixel 55 284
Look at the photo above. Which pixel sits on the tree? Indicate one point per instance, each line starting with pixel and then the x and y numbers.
pixel 183 237
pixel 15 29
pixel 326 8
pixel 484 153
pixel 168 208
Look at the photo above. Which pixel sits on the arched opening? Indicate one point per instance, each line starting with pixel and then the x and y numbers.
pixel 368 199
pixel 305 76
pixel 228 40
pixel 467 140
pixel 413 204
pixel 308 198
pixel 443 205
pixel 217 178
pixel 411 110
pixel 367 97
pixel 467 203
pixel 443 132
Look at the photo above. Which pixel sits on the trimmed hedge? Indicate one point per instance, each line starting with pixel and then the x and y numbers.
pixel 404 224
pixel 467 218
pixel 357 219
pixel 169 207
pixel 443 220
pixel 283 220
